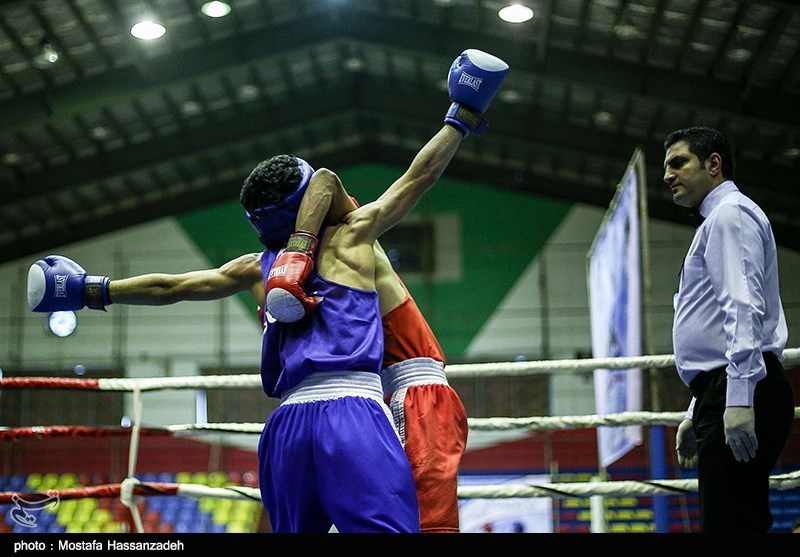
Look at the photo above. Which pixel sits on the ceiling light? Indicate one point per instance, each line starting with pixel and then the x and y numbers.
pixel 191 108
pixel 626 31
pixel 510 96
pixel 354 64
pixel 247 92
pixel 791 152
pixel 148 30
pixel 515 13
pixel 49 53
pixel 11 158
pixel 603 118
pixel 216 9
pixel 740 55
pixel 46 57
pixel 100 133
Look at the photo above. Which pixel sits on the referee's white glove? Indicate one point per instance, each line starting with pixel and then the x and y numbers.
pixel 686 444
pixel 740 431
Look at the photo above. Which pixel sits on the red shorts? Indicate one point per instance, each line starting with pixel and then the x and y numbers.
pixel 432 423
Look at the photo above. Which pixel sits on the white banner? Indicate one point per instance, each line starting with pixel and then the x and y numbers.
pixel 615 305
pixel 529 515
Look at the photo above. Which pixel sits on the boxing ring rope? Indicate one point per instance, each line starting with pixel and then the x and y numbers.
pixel 252 380
pixel 616 488
pixel 131 487
pixel 549 423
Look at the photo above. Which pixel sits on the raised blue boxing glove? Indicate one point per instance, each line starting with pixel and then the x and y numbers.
pixel 57 283
pixel 475 76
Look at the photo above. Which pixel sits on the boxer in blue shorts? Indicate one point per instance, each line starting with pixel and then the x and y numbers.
pixel 427 412
pixel 329 454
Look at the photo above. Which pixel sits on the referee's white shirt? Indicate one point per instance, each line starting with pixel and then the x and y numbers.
pixel 728 308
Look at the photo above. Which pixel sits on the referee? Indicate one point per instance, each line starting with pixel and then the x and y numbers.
pixel 728 336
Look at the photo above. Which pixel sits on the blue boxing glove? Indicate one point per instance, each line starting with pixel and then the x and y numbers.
pixel 57 283
pixel 475 76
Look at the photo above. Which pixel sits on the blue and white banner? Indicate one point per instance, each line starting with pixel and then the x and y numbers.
pixel 531 515
pixel 614 271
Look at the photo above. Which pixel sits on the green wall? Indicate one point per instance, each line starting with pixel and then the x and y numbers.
pixel 501 233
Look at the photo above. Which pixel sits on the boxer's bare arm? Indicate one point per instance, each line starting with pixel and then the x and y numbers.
pixel 325 202
pixel 371 220
pixel 346 252
pixel 156 289
pixel 344 258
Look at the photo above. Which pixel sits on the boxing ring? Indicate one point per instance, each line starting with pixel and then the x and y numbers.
pixel 132 489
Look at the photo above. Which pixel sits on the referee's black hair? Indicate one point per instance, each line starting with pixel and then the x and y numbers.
pixel 703 142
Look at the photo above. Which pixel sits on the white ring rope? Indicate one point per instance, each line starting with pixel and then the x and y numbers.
pixel 253 380
pixel 492 369
pixel 619 488
pixel 549 423
pixel 607 489
pixel 198 491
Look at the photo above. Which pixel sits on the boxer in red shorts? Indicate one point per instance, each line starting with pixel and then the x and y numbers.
pixel 427 411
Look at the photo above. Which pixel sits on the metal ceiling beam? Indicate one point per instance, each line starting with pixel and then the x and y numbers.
pixel 124 84
pixel 254 123
pixel 538 135
pixel 559 67
pixel 568 67
pixel 420 40
pixel 505 118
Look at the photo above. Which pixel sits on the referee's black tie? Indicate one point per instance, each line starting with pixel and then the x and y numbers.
pixel 696 218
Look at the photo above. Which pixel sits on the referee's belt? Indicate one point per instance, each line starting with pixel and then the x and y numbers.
pixel 703 380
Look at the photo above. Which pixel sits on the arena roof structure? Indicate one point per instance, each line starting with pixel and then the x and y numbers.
pixel 100 130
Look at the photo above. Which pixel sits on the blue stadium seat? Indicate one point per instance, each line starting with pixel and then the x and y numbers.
pixel 169 514
pixel 217 528
pixel 56 528
pixel 16 482
pixel 186 515
pixel 184 527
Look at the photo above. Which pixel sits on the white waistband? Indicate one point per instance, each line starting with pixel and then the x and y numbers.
pixel 409 373
pixel 330 385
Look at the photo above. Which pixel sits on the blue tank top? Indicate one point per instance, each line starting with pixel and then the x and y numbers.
pixel 344 333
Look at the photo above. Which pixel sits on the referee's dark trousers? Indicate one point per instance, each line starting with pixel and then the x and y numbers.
pixel 734 496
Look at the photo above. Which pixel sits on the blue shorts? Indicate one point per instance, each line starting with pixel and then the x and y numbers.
pixel 329 455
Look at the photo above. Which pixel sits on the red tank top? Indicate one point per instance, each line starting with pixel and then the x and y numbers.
pixel 407 335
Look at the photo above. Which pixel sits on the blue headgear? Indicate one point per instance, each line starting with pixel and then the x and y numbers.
pixel 276 222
